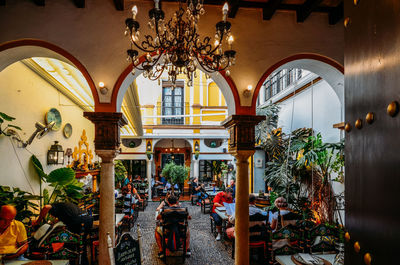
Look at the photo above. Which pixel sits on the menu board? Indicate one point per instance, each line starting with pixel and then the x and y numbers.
pixel 127 252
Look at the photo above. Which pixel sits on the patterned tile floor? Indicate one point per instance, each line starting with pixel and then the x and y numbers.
pixel 205 250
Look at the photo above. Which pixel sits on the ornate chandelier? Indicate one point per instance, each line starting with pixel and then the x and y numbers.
pixel 179 41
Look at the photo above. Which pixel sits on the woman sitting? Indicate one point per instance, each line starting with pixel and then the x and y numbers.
pixel 286 215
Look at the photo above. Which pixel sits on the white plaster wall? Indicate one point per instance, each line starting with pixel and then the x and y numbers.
pixel 27 97
pixel 324 111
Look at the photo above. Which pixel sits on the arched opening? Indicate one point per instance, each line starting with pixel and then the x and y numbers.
pixel 41 83
pixel 224 82
pixel 303 98
pixel 14 51
pixel 329 70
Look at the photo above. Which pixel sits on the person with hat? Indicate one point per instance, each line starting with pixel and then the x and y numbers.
pixel 13 239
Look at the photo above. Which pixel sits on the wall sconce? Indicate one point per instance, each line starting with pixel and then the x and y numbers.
pixel 55 156
pixel 148 146
pixel 247 91
pixel 196 147
pixel 103 88
pixel 68 153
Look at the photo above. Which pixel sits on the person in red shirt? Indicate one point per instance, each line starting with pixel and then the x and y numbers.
pixel 220 198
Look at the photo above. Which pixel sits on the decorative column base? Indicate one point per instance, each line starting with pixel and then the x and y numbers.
pixel 241 145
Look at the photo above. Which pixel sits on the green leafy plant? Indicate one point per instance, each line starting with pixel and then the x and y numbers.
pixel 65 186
pixel 119 171
pixel 23 201
pixel 4 117
pixel 175 174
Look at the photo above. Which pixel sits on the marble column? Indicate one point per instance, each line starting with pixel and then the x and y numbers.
pixel 107 141
pixel 148 163
pixel 195 167
pixel 107 203
pixel 242 145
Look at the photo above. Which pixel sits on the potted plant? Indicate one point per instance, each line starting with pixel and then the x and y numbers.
pixel 149 154
pixel 175 174
pixel 65 186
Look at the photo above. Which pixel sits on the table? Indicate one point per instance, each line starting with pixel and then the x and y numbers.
pixel 20 262
pixel 118 218
pixel 287 259
pixel 224 218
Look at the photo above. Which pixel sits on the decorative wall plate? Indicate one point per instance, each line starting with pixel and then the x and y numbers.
pixel 67 130
pixel 54 115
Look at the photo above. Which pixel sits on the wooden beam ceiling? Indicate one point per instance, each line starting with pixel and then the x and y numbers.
pixel 233 8
pixel 79 3
pixel 269 9
pixel 119 5
pixel 39 2
pixel 336 14
pixel 305 9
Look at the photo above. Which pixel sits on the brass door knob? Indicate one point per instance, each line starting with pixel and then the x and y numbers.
pixel 393 108
pixel 370 118
pixel 358 124
pixel 357 247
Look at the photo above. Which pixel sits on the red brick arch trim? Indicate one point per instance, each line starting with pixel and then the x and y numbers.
pixel 295 57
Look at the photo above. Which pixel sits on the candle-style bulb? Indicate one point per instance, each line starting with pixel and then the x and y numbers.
pixel 134 11
pixel 225 8
pixel 230 40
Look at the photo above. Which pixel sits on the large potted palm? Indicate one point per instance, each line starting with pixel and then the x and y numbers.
pixel 175 174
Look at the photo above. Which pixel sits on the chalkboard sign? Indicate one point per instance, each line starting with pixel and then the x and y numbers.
pixel 127 252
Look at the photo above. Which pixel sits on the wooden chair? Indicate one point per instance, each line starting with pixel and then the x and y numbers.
pixel 63 244
pixel 323 238
pixel 174 224
pixel 206 204
pixel 259 237
pixel 286 241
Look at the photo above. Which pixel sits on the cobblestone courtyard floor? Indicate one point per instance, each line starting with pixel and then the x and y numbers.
pixel 205 250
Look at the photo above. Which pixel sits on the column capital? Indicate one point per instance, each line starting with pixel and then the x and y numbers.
pixel 242 155
pixel 107 156
pixel 241 132
pixel 107 125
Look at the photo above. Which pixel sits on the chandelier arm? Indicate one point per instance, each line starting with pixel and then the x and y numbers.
pixel 142 49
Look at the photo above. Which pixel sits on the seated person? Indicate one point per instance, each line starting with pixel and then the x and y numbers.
pixel 220 198
pixel 287 216
pixel 196 189
pixel 13 239
pixel 129 200
pixel 134 191
pixel 68 213
pixel 233 187
pixel 168 186
pixel 172 203
pixel 164 202
pixel 127 180
pixel 252 211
